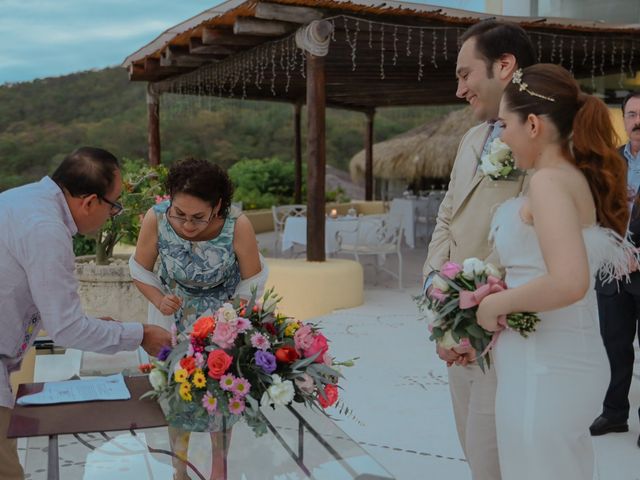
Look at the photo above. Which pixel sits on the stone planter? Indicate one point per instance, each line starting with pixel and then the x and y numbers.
pixel 107 290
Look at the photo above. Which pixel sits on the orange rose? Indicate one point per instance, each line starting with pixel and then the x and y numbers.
pixel 189 364
pixel 218 363
pixel 203 327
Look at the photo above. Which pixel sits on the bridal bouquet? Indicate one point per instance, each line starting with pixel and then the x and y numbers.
pixel 243 357
pixel 450 307
pixel 498 162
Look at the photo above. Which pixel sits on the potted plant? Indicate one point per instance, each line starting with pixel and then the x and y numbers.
pixel 105 285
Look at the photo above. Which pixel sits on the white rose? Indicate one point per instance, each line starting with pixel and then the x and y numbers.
pixel 488 167
pixel 491 270
pixel 439 283
pixel 447 340
pixel 499 148
pixel 472 267
pixel 227 313
pixel 431 317
pixel 157 379
pixel 279 393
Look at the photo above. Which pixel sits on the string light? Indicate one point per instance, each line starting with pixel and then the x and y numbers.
pixel 434 41
pixel 571 59
pixel 409 42
pixel 420 53
pixel 395 45
pixel 382 51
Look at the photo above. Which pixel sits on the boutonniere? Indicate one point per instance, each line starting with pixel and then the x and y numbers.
pixel 498 163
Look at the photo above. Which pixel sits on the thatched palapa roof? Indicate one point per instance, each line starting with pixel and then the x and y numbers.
pixel 425 151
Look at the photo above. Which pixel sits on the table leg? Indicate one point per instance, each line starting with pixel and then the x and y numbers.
pixel 53 467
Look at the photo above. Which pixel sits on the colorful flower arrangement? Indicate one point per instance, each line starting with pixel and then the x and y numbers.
pixel 451 303
pixel 498 162
pixel 243 357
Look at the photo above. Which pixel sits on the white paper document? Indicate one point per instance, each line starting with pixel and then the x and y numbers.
pixel 100 388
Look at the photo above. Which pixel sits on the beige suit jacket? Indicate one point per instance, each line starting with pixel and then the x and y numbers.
pixel 464 217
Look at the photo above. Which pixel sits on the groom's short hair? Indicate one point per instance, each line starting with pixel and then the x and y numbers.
pixel 495 38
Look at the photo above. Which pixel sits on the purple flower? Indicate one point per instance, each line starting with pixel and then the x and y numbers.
pixel 164 353
pixel 266 361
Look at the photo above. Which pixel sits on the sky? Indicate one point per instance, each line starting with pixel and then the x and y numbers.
pixel 45 38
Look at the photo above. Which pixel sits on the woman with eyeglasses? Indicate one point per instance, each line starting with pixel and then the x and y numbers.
pixel 207 255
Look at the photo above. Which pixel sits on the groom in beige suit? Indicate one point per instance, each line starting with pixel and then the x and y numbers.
pixel 490 52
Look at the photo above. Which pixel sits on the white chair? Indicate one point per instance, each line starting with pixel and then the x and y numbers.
pixel 379 236
pixel 280 215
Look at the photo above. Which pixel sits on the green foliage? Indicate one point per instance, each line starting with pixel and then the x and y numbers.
pixel 142 184
pixel 263 183
pixel 83 245
pixel 44 120
pixel 338 195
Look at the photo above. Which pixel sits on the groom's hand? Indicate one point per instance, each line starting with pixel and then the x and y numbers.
pixel 154 338
pixel 448 355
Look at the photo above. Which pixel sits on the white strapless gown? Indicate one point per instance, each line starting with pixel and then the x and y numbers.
pixel 550 385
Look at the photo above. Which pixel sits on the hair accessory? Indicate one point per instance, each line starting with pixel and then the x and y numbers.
pixel 517 79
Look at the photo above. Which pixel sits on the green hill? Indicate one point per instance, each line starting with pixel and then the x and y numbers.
pixel 42 120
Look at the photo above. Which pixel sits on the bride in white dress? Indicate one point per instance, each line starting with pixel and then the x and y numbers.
pixel 552 243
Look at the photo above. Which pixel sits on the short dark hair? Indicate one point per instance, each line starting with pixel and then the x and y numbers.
pixel 87 170
pixel 495 38
pixel 201 179
pixel 629 96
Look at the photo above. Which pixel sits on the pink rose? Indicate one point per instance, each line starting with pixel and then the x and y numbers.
pixel 305 383
pixel 224 335
pixel 438 295
pixel 303 338
pixel 450 270
pixel 318 345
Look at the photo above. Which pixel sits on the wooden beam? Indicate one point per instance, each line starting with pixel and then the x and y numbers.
pixel 287 13
pixel 368 162
pixel 212 36
pixel 297 126
pixel 153 125
pixel 173 56
pixel 316 163
pixel 197 47
pixel 262 28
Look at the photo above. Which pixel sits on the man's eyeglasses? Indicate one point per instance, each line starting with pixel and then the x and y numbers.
pixel 116 207
pixel 632 115
pixel 182 219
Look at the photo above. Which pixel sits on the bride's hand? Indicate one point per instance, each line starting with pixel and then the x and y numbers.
pixel 488 313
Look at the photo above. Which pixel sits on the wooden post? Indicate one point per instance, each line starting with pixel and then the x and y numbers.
pixel 368 146
pixel 297 125
pixel 316 164
pixel 153 118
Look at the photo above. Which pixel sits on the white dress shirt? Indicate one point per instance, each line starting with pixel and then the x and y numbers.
pixel 38 287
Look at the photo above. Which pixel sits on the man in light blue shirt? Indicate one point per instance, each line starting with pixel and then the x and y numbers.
pixel 619 302
pixel 38 288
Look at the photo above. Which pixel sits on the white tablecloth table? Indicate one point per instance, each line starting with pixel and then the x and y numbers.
pixel 407 207
pixel 295 232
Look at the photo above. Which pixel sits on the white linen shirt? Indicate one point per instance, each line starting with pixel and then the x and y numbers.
pixel 38 287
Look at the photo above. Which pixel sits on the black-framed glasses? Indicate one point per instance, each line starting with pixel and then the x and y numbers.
pixel 182 219
pixel 116 207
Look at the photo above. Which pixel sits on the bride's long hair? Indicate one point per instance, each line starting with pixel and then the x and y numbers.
pixel 587 136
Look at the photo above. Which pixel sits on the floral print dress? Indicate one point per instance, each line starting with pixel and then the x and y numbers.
pixel 203 274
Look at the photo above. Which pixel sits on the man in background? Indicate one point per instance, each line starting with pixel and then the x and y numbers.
pixel 619 301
